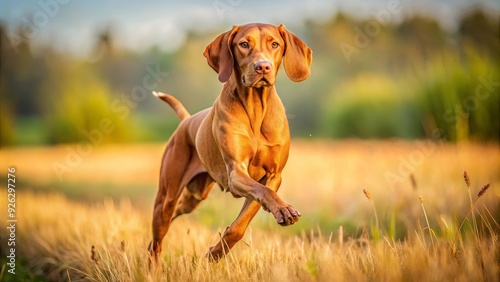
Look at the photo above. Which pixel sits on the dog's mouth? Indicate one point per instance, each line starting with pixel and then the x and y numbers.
pixel 262 82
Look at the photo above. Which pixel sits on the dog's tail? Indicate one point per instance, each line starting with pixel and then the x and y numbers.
pixel 178 107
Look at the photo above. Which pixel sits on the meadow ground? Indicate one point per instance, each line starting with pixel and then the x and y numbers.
pixel 92 220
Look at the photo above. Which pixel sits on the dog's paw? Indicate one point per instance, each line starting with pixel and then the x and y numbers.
pixel 287 215
pixel 214 254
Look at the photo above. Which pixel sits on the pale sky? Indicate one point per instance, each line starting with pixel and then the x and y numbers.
pixel 71 25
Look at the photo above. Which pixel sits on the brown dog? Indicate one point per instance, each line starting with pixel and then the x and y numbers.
pixel 242 142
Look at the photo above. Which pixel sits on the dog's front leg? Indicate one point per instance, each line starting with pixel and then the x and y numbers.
pixel 241 184
pixel 237 229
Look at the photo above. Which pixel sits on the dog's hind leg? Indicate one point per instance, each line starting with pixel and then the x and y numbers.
pixel 196 191
pixel 174 165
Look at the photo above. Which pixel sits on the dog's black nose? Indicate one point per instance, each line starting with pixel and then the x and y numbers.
pixel 262 67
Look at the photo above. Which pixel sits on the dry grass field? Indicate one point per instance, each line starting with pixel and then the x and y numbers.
pixel 92 221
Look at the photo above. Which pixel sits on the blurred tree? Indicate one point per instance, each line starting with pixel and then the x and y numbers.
pixel 6 115
pixel 476 29
pixel 79 107
pixel 421 37
pixel 370 106
pixel 105 45
pixel 459 96
pixel 22 74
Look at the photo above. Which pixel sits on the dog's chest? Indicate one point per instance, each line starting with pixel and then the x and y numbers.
pixel 267 159
pixel 270 145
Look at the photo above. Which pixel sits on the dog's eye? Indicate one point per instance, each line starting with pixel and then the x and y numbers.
pixel 275 45
pixel 244 45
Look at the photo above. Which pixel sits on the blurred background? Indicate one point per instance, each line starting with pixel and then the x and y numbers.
pixel 74 71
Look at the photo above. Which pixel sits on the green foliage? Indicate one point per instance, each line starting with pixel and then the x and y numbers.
pixel 453 95
pixel 6 126
pixel 391 231
pixel 313 269
pixel 6 117
pixel 80 108
pixel 477 30
pixel 23 272
pixel 370 106
pixel 29 130
pixel 375 231
pixel 460 96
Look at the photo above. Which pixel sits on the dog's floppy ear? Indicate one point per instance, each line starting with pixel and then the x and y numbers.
pixel 297 56
pixel 219 54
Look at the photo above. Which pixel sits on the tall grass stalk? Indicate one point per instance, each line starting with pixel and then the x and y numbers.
pixel 431 235
pixel 467 182
pixel 479 195
pixel 376 230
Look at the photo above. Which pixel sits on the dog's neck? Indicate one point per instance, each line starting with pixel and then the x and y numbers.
pixel 253 100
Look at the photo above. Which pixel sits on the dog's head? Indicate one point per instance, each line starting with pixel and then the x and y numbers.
pixel 252 53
